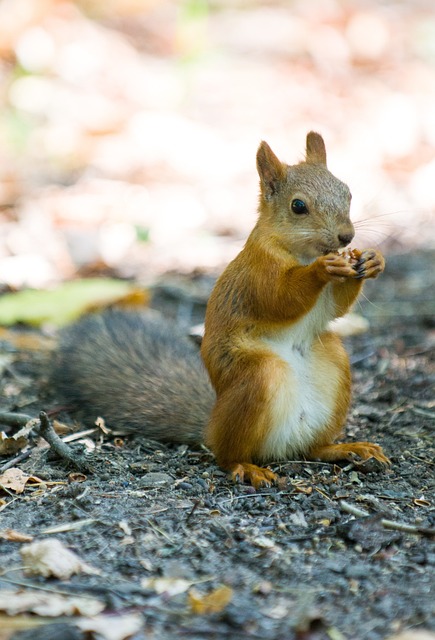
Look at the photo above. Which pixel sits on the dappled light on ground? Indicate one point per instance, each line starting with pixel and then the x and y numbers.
pixel 128 131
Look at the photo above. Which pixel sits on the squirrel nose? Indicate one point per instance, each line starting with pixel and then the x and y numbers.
pixel 345 238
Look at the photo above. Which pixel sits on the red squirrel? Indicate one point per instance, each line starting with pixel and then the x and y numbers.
pixel 281 377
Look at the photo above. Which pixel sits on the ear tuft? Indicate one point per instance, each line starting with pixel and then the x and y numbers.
pixel 316 150
pixel 270 169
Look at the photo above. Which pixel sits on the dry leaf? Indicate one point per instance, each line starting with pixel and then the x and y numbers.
pixel 213 602
pixel 11 444
pixel 76 476
pixel 51 558
pixel 169 586
pixel 11 626
pixel 48 604
pixel 278 611
pixel 307 490
pixel 422 502
pixel 60 428
pixel 15 536
pixel 263 542
pixel 112 627
pixel 101 424
pixel 16 480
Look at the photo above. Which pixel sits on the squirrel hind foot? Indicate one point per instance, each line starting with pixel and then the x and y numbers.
pixel 348 451
pixel 258 477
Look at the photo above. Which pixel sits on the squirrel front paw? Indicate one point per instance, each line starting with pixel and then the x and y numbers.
pixel 335 267
pixel 369 265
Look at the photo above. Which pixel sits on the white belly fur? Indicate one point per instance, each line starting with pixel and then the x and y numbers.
pixel 305 400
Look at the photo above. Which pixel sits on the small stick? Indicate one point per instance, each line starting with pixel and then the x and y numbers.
pixel 47 432
pixel 387 524
pixel 22 456
pixel 14 419
pixel 192 511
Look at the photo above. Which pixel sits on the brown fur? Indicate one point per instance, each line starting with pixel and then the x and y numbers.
pixel 266 317
pixel 273 283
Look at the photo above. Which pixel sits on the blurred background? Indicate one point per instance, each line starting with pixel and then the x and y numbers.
pixel 128 128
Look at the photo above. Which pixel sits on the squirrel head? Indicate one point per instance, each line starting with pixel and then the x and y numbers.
pixel 304 206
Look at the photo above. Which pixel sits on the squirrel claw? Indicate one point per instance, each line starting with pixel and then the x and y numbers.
pixel 367 450
pixel 348 451
pixel 369 265
pixel 259 477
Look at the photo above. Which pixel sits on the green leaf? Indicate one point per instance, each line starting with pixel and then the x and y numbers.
pixel 65 303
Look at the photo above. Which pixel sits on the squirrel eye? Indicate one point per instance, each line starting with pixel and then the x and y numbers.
pixel 299 206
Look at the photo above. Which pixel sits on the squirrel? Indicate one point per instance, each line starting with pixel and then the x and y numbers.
pixel 280 380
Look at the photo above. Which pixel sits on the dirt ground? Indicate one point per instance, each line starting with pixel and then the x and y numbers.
pixel 297 561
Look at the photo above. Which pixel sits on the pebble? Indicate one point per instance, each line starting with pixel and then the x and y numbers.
pixel 357 571
pixel 154 479
pixel 185 485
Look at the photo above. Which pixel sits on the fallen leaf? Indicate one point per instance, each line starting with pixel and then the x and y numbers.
pixel 101 424
pixel 15 536
pixel 169 586
pixel 76 476
pixel 51 558
pixel 112 627
pixel 48 604
pixel 16 480
pixel 307 490
pixel 125 527
pixel 263 542
pixel 278 611
pixel 213 602
pixel 422 502
pixel 60 428
pixel 11 444
pixel 10 626
pixel 325 522
pixel 65 303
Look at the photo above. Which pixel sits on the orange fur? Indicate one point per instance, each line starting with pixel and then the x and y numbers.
pixel 282 380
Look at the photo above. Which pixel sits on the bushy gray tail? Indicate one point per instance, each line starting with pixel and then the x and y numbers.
pixel 140 373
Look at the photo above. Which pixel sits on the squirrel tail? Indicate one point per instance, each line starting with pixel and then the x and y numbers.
pixel 139 372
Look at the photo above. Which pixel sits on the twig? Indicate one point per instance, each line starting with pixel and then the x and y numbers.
pixel 423 412
pixel 40 587
pixel 252 495
pixel 4 506
pixel 192 511
pixel 387 524
pixel 68 526
pixel 47 432
pixel 22 456
pixel 80 434
pixel 14 419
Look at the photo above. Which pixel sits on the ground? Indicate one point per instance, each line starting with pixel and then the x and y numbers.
pixel 298 560
pixel 128 133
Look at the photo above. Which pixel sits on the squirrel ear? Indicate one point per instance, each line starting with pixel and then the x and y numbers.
pixel 316 151
pixel 270 169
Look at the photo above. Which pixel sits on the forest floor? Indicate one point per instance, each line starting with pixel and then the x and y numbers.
pixel 182 552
